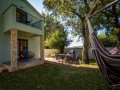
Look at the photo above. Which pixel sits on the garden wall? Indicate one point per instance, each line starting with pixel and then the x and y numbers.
pixel 79 51
pixel 48 52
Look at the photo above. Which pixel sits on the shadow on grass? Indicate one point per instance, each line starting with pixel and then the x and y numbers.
pixel 75 63
pixel 51 76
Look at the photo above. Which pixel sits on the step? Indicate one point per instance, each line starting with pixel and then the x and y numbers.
pixel 2 68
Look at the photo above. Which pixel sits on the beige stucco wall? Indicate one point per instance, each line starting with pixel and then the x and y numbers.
pixel 48 52
pixel 79 51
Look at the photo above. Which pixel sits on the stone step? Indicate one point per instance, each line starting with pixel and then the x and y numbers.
pixel 3 68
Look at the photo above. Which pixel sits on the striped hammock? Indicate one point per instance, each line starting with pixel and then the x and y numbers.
pixel 108 62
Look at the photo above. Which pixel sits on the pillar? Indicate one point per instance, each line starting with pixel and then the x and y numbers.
pixel 14 48
pixel 42 47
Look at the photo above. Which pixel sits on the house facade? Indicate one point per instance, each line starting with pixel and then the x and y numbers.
pixel 21 29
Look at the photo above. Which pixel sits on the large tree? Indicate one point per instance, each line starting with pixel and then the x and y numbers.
pixel 109 19
pixel 51 25
pixel 74 13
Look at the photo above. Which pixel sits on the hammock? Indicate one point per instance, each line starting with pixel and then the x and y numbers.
pixel 114 50
pixel 108 63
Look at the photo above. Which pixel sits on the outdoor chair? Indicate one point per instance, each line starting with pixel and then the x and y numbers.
pixel 56 55
pixel 27 54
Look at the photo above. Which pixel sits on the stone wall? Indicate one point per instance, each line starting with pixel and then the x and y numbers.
pixel 42 47
pixel 48 52
pixel 13 48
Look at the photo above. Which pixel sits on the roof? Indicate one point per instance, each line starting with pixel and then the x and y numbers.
pixel 33 8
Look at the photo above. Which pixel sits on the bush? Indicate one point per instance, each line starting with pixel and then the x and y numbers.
pixel 109 40
pixel 58 40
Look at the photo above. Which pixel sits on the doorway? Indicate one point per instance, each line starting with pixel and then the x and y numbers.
pixel 22 46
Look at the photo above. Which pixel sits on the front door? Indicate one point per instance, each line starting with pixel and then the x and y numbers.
pixel 22 45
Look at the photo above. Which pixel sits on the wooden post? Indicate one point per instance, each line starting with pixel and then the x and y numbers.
pixel 13 48
pixel 42 47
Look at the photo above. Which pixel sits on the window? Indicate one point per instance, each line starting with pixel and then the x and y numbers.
pixel 21 16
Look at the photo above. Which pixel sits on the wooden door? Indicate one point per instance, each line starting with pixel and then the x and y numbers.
pixel 22 45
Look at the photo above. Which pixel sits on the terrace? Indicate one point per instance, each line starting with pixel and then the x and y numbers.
pixel 28 19
pixel 22 21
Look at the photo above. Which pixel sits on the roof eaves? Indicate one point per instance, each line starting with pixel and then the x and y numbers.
pixel 33 8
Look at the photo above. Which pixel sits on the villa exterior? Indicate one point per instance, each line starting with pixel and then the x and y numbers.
pixel 21 29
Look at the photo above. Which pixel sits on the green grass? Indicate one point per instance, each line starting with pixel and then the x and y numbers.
pixel 54 77
pixel 93 62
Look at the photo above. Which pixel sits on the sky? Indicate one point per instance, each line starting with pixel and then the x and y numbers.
pixel 37 4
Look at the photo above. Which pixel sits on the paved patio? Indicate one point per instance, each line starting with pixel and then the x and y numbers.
pixel 22 64
pixel 63 62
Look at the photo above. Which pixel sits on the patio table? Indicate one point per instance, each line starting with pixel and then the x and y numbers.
pixel 62 56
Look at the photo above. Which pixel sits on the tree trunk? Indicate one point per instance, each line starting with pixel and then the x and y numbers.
pixel 116 25
pixel 85 57
pixel 85 34
pixel 118 36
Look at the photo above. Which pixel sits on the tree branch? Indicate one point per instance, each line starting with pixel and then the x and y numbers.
pixel 116 16
pixel 77 14
pixel 87 6
pixel 93 8
pixel 107 6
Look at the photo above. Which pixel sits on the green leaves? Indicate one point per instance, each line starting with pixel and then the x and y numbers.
pixel 74 13
pixel 51 25
pixel 62 1
pixel 70 10
pixel 55 33
pixel 109 40
pixel 58 40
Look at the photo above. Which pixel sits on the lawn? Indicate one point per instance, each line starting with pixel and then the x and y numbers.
pixel 54 77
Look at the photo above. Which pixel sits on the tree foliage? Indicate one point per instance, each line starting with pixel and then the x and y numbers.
pixel 109 20
pixel 73 12
pixel 55 33
pixel 58 40
pixel 51 25
pixel 108 40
